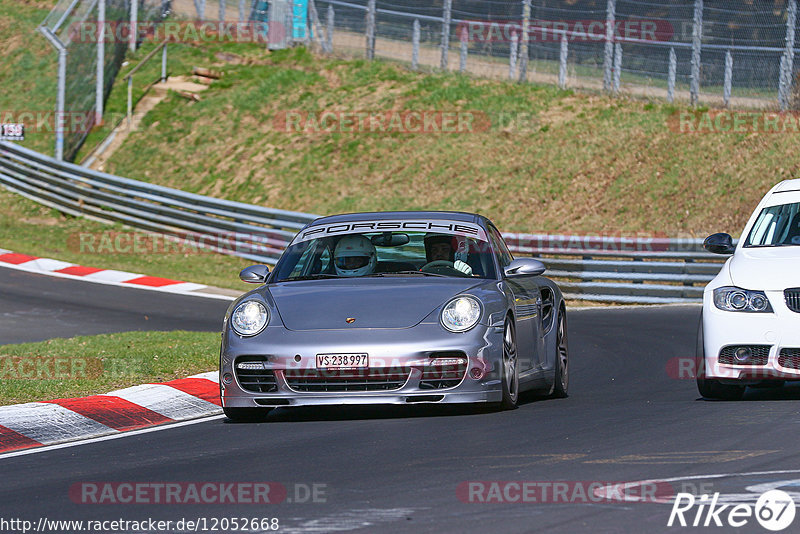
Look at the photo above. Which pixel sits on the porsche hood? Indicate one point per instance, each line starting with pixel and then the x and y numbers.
pixel 363 303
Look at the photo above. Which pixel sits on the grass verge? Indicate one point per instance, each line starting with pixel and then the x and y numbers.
pixel 89 365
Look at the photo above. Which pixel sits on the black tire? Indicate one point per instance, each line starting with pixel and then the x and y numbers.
pixel 561 365
pixel 246 415
pixel 713 389
pixel 710 388
pixel 510 369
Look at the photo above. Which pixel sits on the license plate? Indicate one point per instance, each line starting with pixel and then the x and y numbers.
pixel 342 361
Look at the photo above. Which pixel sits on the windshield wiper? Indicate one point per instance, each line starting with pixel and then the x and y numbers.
pixel 423 273
pixel 318 276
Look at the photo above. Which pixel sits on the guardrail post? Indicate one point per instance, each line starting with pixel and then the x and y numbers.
pixel 415 45
pixel 608 57
pixel 726 90
pixel 200 8
pixel 130 102
pixel 60 99
pixel 101 62
pixel 446 18
pixel 617 66
pixel 562 67
pixel 462 59
pixel 673 70
pixel 697 36
pixel 370 29
pixel 512 56
pixel 526 22
pixel 134 29
pixel 329 36
pixel 164 64
pixel 787 61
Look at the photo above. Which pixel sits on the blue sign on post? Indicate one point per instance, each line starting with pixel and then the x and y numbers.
pixel 261 12
pixel 299 19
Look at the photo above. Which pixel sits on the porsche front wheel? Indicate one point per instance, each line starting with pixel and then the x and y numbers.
pixel 510 368
pixel 561 371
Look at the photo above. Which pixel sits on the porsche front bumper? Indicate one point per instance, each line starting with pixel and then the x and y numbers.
pixel 400 360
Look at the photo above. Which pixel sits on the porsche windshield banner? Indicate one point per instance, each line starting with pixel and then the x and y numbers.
pixel 417 225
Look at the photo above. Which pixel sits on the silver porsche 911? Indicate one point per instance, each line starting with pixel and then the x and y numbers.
pixel 393 308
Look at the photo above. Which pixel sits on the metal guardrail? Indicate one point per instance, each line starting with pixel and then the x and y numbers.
pixel 228 227
pixel 596 268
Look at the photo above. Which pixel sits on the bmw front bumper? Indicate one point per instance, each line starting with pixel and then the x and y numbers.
pixel 776 335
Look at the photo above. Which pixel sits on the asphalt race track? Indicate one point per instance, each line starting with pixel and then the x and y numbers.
pixel 398 469
pixel 35 307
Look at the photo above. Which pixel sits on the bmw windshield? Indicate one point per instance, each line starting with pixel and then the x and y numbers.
pixel 776 226
pixel 392 253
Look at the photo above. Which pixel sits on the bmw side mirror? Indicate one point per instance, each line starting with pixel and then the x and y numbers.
pixel 525 267
pixel 719 244
pixel 255 274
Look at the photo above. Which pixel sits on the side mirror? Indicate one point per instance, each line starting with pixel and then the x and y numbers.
pixel 719 244
pixel 525 267
pixel 255 274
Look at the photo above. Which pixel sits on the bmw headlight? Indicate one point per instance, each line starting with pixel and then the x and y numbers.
pixel 249 318
pixel 731 298
pixel 461 314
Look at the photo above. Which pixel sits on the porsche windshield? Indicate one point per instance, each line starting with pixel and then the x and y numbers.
pixel 776 226
pixel 378 254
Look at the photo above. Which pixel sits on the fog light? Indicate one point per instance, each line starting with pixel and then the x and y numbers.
pixel 743 354
pixel 448 361
pixel 227 378
pixel 476 373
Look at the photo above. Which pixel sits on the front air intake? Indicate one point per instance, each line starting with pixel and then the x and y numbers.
pixel 793 299
pixel 744 355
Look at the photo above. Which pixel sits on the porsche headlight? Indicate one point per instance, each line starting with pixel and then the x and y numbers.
pixel 249 318
pixel 731 298
pixel 461 314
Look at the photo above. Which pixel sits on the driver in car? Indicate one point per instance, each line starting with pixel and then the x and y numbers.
pixel 439 247
pixel 354 255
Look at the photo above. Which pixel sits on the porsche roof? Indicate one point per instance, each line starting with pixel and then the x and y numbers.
pixel 395 215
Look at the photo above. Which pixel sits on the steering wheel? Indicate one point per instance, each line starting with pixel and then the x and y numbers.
pixel 441 267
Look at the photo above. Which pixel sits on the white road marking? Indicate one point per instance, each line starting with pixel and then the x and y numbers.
pixel 724 498
pixel 118 435
pixel 348 520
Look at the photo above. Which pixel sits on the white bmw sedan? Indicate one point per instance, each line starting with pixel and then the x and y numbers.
pixel 749 334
